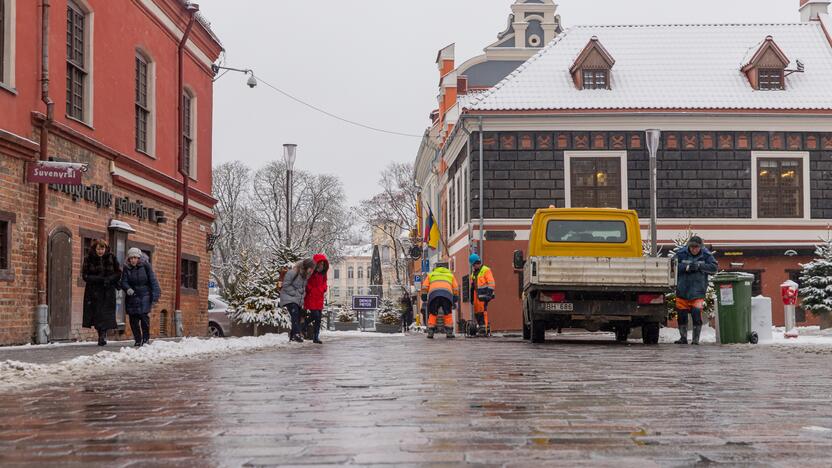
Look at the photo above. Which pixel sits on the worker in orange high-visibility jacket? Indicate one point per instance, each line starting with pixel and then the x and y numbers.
pixel 482 292
pixel 440 291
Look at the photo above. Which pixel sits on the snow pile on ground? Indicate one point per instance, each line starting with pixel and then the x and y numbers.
pixel 358 334
pixel 808 336
pixel 16 375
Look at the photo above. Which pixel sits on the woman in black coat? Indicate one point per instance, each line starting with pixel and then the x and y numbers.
pixel 142 289
pixel 101 273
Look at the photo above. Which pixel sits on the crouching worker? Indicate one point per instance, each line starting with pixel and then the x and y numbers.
pixel 482 292
pixel 440 291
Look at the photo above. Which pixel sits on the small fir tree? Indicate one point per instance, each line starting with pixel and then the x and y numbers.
pixel 816 280
pixel 389 314
pixel 258 295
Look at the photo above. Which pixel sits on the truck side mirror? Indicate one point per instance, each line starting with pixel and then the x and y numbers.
pixel 519 262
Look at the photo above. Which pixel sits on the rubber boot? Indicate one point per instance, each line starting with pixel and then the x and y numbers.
pixel 431 331
pixel 449 333
pixel 683 332
pixel 697 330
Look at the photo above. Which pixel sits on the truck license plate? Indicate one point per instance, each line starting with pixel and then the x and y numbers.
pixel 559 306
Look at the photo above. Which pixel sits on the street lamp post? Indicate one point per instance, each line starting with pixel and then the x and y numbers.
pixel 289 155
pixel 653 139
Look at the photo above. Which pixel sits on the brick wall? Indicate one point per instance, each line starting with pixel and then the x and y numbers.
pixel 704 173
pixel 18 296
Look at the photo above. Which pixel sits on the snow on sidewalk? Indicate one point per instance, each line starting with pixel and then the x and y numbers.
pixel 808 336
pixel 16 375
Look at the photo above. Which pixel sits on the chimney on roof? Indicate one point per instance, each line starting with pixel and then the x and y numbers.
pixel 810 9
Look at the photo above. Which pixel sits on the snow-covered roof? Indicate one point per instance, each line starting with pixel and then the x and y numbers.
pixel 364 250
pixel 671 67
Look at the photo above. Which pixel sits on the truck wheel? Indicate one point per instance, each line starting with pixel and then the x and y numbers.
pixel 621 334
pixel 538 331
pixel 650 333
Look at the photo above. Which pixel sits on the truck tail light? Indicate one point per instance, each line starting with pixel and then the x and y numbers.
pixel 552 297
pixel 648 299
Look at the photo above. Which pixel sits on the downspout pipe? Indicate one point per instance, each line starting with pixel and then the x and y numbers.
pixel 42 310
pixel 177 317
pixel 482 214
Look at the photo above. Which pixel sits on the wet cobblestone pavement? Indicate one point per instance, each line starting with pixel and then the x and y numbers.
pixel 407 401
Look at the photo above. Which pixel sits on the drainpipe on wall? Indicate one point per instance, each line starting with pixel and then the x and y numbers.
pixel 482 215
pixel 42 311
pixel 177 315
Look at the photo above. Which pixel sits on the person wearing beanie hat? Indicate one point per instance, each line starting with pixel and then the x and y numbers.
pixel 142 288
pixel 695 265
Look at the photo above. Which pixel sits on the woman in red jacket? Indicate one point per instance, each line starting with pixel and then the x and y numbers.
pixel 315 291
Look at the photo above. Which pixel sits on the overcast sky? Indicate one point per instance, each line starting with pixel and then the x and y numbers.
pixel 373 61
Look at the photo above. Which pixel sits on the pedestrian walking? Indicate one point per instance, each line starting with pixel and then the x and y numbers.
pixel 482 292
pixel 695 264
pixel 142 289
pixel 101 274
pixel 315 291
pixel 406 304
pixel 292 294
pixel 441 292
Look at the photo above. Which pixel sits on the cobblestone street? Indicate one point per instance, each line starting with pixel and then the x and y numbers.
pixel 408 401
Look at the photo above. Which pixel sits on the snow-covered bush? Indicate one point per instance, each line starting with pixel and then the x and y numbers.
pixel 816 280
pixel 389 314
pixel 346 315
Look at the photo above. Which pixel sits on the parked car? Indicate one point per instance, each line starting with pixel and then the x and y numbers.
pixel 219 324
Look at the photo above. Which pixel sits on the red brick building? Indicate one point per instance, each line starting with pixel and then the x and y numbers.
pixel 112 75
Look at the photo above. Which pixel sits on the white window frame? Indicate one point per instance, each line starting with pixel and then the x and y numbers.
pixel 151 103
pixel 7 81
pixel 457 198
pixel 567 173
pixel 804 156
pixel 192 168
pixel 89 54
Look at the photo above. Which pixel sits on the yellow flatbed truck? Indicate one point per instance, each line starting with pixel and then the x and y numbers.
pixel 586 269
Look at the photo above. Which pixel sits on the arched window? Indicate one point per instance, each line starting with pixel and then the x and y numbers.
pixel 360 272
pixel 350 273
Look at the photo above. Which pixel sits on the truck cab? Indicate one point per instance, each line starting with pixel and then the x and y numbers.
pixel 586 269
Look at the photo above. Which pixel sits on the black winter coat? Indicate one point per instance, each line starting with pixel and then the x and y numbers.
pixel 101 275
pixel 146 291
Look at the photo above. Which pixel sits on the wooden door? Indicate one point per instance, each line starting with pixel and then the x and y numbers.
pixel 59 271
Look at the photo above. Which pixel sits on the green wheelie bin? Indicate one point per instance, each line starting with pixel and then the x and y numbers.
pixel 733 295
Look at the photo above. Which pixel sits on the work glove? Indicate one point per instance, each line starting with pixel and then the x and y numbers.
pixel 692 267
pixel 130 292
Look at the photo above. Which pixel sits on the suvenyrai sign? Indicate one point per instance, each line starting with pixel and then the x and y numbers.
pixel 44 172
pixel 103 199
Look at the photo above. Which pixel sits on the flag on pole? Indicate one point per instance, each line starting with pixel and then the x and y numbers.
pixel 431 231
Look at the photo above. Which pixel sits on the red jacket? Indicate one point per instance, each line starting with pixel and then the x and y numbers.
pixel 316 285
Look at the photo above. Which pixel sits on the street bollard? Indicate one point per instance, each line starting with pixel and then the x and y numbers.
pixel 178 327
pixel 788 290
pixel 43 324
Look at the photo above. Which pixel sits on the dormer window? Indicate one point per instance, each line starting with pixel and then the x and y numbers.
pixel 765 67
pixel 591 69
pixel 595 79
pixel 770 78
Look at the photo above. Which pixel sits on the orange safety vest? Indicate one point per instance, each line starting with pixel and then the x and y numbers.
pixel 440 283
pixel 484 280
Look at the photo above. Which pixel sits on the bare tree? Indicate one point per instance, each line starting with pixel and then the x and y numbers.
pixel 233 226
pixel 393 212
pixel 320 221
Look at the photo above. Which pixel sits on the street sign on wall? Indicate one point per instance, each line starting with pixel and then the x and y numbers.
pixel 50 172
pixel 365 302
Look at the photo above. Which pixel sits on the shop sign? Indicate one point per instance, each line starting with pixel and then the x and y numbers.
pixel 365 302
pixel 48 172
pixel 101 198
